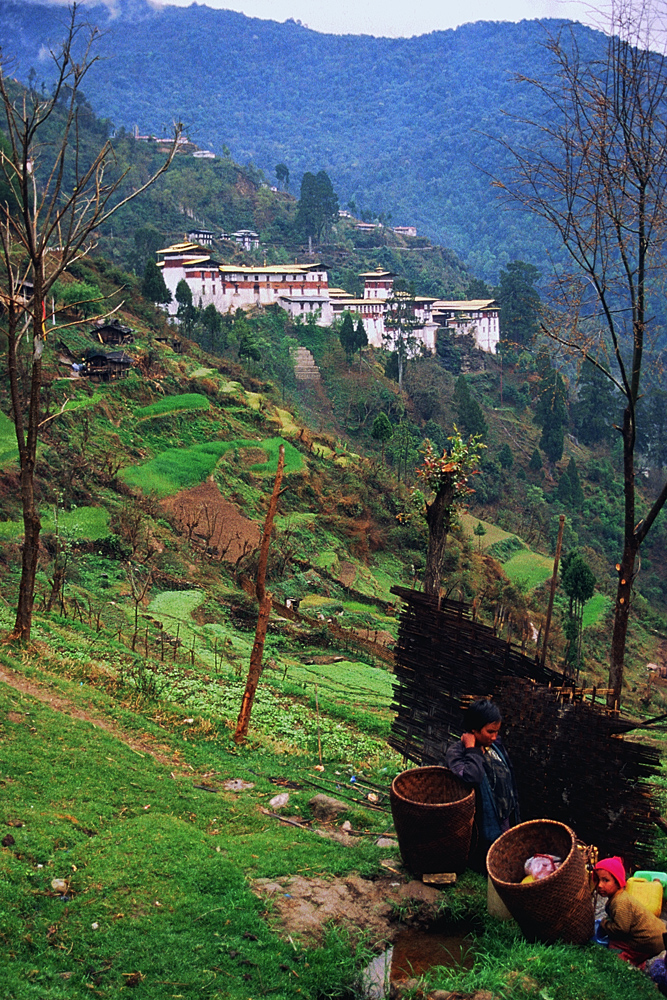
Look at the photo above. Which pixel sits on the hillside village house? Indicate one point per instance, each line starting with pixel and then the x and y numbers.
pixel 303 290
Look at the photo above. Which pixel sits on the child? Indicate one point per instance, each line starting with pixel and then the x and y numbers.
pixel 634 932
pixel 480 759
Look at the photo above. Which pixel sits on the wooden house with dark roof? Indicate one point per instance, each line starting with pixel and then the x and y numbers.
pixel 113 332
pixel 102 367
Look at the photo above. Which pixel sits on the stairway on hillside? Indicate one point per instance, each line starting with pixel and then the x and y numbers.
pixel 305 368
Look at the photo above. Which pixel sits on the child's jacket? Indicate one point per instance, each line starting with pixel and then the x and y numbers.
pixel 628 921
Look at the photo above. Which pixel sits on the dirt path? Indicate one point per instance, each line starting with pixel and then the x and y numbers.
pixel 144 745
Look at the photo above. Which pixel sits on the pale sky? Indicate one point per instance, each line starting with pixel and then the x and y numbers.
pixel 398 18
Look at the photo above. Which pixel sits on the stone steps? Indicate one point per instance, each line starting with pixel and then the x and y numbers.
pixel 305 368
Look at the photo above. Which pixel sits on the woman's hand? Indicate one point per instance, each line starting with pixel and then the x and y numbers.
pixel 468 740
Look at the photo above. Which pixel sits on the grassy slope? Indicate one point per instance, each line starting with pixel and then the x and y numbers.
pixel 129 832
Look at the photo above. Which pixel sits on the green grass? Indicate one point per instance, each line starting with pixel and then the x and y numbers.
pixel 8 449
pixel 596 609
pixel 173 404
pixel 158 897
pixel 493 532
pixel 89 523
pixel 84 523
pixel 181 468
pixel 529 569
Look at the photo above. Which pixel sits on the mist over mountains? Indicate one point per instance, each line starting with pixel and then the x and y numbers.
pixel 406 126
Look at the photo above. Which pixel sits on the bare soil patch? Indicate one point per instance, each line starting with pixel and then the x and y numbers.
pixel 301 907
pixel 212 522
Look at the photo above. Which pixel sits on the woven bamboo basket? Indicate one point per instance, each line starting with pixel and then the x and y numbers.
pixel 556 908
pixel 433 813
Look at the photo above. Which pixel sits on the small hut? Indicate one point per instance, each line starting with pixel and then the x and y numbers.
pixel 113 332
pixel 103 367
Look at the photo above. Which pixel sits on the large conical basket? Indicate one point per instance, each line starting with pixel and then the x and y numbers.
pixel 556 908
pixel 433 813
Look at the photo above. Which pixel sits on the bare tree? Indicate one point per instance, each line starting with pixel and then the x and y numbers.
pixel 46 223
pixel 264 602
pixel 595 169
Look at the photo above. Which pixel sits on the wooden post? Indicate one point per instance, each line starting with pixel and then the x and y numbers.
pixel 554 581
pixel 264 600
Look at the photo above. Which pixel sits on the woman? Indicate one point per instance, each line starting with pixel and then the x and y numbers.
pixel 480 759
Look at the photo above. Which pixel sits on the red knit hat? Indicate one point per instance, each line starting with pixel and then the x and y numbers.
pixel 615 867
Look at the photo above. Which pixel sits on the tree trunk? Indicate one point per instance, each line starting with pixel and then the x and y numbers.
pixel 27 446
pixel 264 599
pixel 438 518
pixel 626 569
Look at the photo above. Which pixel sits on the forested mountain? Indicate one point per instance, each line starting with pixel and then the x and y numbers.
pixel 406 126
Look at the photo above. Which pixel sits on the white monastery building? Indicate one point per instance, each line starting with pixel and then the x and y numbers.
pixel 303 290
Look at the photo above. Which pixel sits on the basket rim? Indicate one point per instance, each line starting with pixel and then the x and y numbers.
pixel 520 886
pixel 469 789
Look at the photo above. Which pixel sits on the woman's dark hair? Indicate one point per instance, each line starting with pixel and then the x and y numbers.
pixel 480 714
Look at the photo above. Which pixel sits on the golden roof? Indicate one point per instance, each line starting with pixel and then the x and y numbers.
pixel 462 305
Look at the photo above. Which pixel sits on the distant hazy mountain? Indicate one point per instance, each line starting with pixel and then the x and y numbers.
pixel 401 125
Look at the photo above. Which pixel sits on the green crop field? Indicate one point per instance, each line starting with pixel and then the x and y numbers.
pixel 173 404
pixel 181 468
pixel 596 609
pixel 84 523
pixel 529 568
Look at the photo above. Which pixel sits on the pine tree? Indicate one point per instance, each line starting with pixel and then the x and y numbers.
pixel 470 415
pixel 382 430
pixel 347 336
pixel 154 288
pixel 535 463
pixel 576 490
pixel 597 407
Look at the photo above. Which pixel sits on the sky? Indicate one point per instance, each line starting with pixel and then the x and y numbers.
pixel 396 17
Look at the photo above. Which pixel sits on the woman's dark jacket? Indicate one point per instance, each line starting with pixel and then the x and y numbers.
pixel 468 764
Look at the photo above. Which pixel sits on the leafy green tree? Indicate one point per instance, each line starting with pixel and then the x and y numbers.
pixel 478 289
pixel 186 311
pixel 551 408
pixel 282 173
pixel 564 490
pixel 382 430
pixel 552 441
pixel 318 208
pixel 598 406
pixel 519 303
pixel 82 296
pixel 360 338
pixel 211 322
pixel 147 241
pixel 479 531
pixel 470 415
pixel 442 490
pixel 249 345
pixel 153 287
pixel 579 585
pixel 505 457
pixel 576 489
pixel 535 463
pixel 401 325
pixel 347 336
pixel 448 352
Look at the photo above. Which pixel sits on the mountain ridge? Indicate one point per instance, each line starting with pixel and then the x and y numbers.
pixel 402 125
